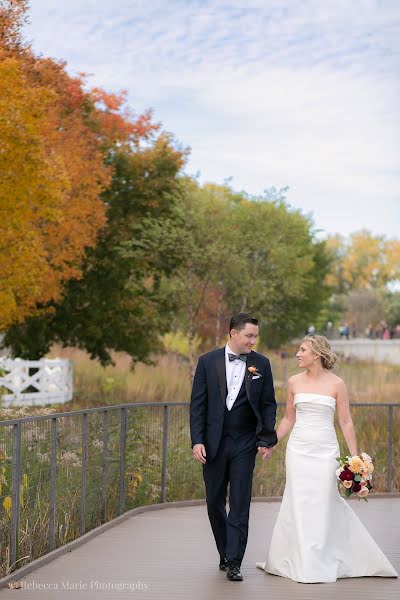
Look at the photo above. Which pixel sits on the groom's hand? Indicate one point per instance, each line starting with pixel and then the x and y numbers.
pixel 265 452
pixel 199 453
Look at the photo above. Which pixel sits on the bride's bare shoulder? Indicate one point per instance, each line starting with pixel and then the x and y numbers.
pixel 296 377
pixel 337 382
pixel 294 380
pixel 335 378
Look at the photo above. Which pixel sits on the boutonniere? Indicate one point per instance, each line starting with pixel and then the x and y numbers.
pixel 254 372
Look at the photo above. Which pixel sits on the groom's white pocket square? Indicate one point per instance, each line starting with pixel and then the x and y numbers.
pixel 256 377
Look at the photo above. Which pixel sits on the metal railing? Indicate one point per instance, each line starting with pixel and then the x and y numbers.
pixel 63 474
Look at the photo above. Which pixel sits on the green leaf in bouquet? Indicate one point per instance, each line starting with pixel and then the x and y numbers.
pixel 347 493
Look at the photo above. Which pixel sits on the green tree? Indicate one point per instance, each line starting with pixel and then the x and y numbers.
pixel 205 237
pixel 280 269
pixel 119 303
pixel 391 302
pixel 259 256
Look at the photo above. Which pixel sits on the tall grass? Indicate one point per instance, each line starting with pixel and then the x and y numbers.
pixel 366 380
pixel 168 379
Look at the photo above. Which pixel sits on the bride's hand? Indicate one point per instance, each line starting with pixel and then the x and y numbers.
pixel 265 452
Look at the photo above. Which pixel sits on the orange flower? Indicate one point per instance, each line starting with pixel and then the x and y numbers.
pixel 356 464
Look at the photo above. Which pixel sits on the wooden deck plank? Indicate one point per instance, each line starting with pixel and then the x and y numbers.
pixel 170 554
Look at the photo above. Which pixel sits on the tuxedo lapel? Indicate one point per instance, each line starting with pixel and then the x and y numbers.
pixel 247 375
pixel 221 373
pixel 250 362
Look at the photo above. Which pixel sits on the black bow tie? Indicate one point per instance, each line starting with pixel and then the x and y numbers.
pixel 232 357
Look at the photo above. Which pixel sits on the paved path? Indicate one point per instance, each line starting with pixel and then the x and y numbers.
pixel 170 554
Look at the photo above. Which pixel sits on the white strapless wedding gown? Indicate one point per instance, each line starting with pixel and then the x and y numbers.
pixel 317 536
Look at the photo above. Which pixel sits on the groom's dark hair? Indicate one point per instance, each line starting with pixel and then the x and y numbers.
pixel 239 321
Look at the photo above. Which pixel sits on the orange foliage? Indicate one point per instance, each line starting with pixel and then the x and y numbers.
pixel 12 17
pixel 117 121
pixel 32 186
pixel 364 261
pixel 54 137
pixel 393 259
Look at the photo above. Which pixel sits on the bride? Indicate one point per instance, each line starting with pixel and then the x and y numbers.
pixel 317 536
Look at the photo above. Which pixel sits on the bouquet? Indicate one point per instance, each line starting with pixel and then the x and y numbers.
pixel 355 475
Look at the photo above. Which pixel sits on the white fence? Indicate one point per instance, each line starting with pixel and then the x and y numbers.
pixel 35 382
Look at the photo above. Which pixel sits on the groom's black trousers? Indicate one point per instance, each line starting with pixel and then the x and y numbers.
pixel 234 463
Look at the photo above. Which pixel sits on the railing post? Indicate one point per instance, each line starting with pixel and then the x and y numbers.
pixel 122 462
pixel 84 472
pixel 163 495
pixel 390 449
pixel 53 481
pixel 104 465
pixel 15 492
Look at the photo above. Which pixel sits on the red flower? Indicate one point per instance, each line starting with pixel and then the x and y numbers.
pixel 346 475
pixel 356 487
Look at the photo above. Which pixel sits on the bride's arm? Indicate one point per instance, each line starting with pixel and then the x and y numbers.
pixel 286 424
pixel 345 420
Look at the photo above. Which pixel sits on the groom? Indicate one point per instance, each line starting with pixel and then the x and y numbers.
pixel 232 417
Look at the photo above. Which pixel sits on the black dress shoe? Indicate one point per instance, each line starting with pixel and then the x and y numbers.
pixel 234 573
pixel 223 564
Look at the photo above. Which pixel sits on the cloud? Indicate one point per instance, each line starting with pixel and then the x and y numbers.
pixel 274 93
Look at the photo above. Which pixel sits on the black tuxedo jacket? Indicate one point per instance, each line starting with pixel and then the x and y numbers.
pixel 208 401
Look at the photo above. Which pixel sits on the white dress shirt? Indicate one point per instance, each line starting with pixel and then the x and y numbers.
pixel 235 372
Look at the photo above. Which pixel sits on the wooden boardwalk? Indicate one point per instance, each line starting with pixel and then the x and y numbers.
pixel 170 554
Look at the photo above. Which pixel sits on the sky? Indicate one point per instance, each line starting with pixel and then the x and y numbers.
pixel 298 93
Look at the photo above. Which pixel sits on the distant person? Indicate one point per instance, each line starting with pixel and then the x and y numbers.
pixel 386 334
pixel 311 330
pixel 329 330
pixel 381 329
pixel 369 331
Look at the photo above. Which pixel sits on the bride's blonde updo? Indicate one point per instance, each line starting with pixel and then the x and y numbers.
pixel 320 345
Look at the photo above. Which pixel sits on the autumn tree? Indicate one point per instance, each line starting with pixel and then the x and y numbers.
pixel 119 302
pixel 32 185
pixel 13 15
pixel 81 172
pixel 53 170
pixel 364 261
pixel 362 270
